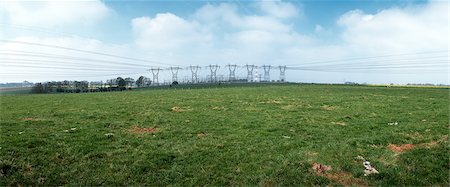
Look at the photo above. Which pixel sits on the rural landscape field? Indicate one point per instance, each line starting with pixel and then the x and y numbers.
pixel 268 135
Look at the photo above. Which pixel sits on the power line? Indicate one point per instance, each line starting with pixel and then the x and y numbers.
pixel 55 67
pixel 102 75
pixel 47 55
pixel 84 51
pixel 369 57
pixel 379 61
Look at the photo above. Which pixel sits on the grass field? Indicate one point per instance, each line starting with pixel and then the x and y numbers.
pixel 269 135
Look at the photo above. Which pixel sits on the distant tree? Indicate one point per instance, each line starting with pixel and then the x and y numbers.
pixel 147 82
pixel 140 81
pixel 129 82
pixel 111 82
pixel 38 88
pixel 84 86
pixel 121 82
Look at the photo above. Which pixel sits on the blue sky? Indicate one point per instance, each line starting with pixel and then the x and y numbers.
pixel 405 41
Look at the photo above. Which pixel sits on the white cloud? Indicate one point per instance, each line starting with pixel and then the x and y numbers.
pixel 418 28
pixel 222 13
pixel 279 9
pixel 318 28
pixel 216 33
pixel 54 13
pixel 226 15
pixel 168 32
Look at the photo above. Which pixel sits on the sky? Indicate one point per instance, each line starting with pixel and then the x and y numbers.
pixel 323 41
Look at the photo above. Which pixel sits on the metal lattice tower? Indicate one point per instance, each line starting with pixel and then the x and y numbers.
pixel 282 73
pixel 213 69
pixel 155 73
pixel 232 68
pixel 174 71
pixel 250 72
pixel 194 70
pixel 266 72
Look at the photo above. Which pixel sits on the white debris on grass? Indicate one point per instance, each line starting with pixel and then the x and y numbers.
pixel 109 135
pixel 71 129
pixel 368 168
pixel 394 123
pixel 20 132
pixel 286 137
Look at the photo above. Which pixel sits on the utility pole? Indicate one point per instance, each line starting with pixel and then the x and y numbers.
pixel 232 68
pixel 282 73
pixel 250 72
pixel 266 72
pixel 155 73
pixel 213 69
pixel 174 71
pixel 194 70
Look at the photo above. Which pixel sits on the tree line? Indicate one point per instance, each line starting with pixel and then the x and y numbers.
pixel 117 84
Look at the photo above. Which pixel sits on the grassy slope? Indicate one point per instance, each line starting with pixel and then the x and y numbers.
pixel 254 136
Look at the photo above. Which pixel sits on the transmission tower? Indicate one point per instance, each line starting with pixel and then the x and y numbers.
pixel 266 72
pixel 194 70
pixel 155 73
pixel 250 72
pixel 213 69
pixel 232 68
pixel 174 71
pixel 282 73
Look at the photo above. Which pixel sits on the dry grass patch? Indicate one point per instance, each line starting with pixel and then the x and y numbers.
pixel 141 130
pixel 27 119
pixel 271 102
pixel 340 177
pixel 345 179
pixel 340 123
pixel 177 109
pixel 287 107
pixel 328 107
pixel 320 168
pixel 219 108
pixel 400 148
pixel 406 147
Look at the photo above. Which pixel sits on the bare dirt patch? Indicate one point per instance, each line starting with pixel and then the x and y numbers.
pixel 201 134
pixel 343 178
pixel 142 130
pixel 406 147
pixel 401 148
pixel 320 168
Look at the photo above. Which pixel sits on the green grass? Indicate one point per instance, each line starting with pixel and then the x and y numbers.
pixel 269 135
